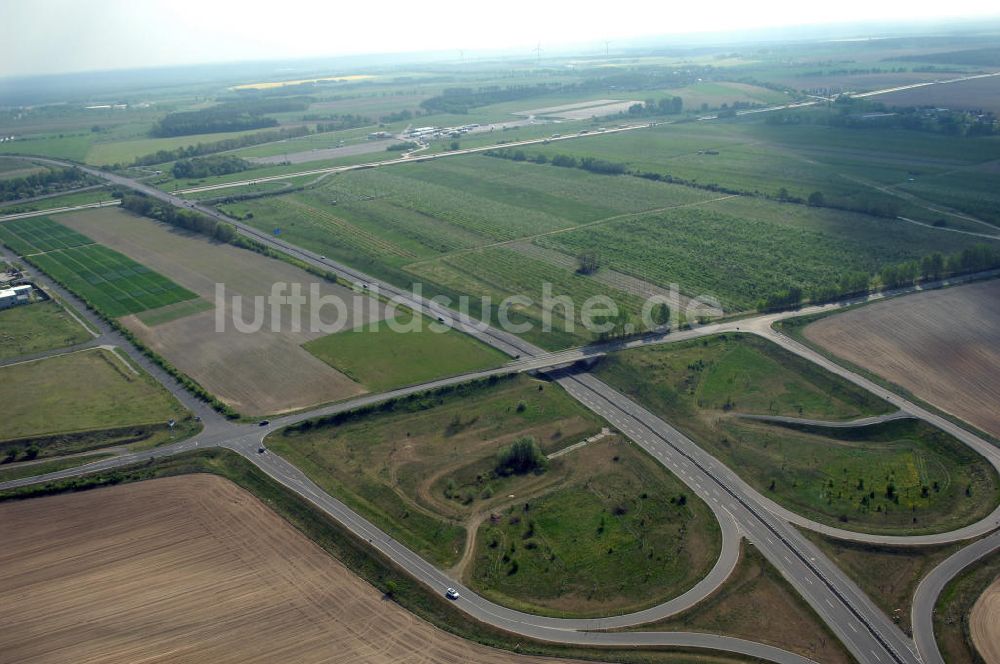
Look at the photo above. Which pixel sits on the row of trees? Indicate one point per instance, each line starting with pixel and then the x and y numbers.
pixel 236 115
pixel 339 122
pixel 878 207
pixel 591 164
pixel 46 182
pixel 855 113
pixel 899 275
pixel 201 149
pixel 202 167
pixel 186 219
pixel 460 100
pixel 662 106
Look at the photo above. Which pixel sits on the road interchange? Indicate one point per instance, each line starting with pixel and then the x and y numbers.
pixel 863 628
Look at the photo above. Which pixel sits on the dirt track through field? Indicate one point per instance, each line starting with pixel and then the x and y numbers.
pixel 193 569
pixel 943 346
pixel 984 624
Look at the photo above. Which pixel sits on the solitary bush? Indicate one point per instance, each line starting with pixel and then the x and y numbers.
pixel 523 456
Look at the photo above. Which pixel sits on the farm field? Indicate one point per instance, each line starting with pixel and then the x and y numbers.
pixel 899 477
pixel 711 95
pixel 109 281
pixel 448 225
pixel 258 373
pixel 110 576
pixel 66 146
pixel 38 327
pixel 714 249
pixel 847 165
pixel 12 167
pixel 103 153
pixel 443 224
pixel 981 94
pixel 971 191
pixel 38 235
pixel 984 623
pixel 382 359
pixel 90 390
pixel 943 346
pixel 552 540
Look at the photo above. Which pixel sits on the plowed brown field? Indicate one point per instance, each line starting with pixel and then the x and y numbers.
pixel 943 346
pixel 193 569
pixel 984 624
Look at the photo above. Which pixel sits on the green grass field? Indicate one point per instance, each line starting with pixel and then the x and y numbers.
pixel 89 390
pixel 39 234
pixel 110 281
pixel 845 164
pixel 66 146
pixel 38 327
pixel 899 477
pixel 423 470
pixel 63 200
pixel 106 279
pixel 383 359
pixel 8 473
pixel 606 540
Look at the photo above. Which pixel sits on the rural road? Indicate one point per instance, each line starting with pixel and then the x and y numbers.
pixel 827 424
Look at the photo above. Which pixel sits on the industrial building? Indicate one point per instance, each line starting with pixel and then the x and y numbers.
pixel 10 297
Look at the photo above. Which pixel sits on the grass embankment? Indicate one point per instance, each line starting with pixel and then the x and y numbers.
pixel 951 613
pixel 555 539
pixel 900 477
pixel 84 400
pixel 383 359
pixel 38 327
pixel 359 557
pixel 19 471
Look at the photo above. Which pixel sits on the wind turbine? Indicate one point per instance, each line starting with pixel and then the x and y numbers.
pixel 606 44
pixel 538 53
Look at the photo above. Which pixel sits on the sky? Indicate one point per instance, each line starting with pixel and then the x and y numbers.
pixel 55 36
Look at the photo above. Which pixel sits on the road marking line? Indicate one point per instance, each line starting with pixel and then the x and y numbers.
pixel 851 625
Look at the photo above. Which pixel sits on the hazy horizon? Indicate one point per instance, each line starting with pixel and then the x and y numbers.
pixel 106 35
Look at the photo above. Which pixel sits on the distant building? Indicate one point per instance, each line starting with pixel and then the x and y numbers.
pixel 10 297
